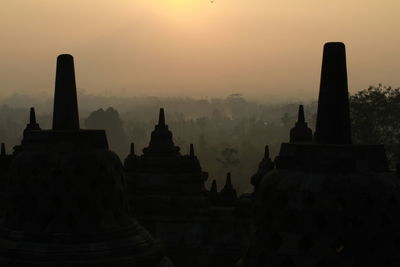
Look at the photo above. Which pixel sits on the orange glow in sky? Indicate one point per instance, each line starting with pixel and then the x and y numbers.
pixel 195 47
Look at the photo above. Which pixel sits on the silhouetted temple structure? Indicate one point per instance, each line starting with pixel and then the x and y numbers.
pixel 329 202
pixel 214 195
pixel 228 195
pixel 159 160
pixel 197 226
pixel 67 201
pixel 301 133
pixel 266 165
pixel 333 117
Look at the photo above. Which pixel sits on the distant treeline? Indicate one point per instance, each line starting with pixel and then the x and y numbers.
pixel 229 134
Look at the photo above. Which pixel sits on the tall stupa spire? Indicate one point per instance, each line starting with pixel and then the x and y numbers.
pixel 228 180
pixel 161 118
pixel 300 116
pixel 266 152
pixel 191 153
pixel 333 118
pixel 32 116
pixel 65 114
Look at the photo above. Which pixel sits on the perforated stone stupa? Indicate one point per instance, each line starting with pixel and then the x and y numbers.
pixel 67 197
pixel 198 227
pixel 329 202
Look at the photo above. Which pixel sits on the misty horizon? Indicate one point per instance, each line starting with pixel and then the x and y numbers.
pixel 204 133
pixel 194 48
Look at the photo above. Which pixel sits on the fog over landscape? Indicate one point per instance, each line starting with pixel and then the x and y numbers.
pixel 230 74
pixel 265 50
pixel 202 133
pixel 229 133
pixel 212 125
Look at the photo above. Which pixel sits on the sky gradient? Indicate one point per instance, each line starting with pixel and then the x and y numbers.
pixel 260 48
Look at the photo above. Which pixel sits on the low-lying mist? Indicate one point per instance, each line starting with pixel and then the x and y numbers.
pixel 229 134
pixel 212 125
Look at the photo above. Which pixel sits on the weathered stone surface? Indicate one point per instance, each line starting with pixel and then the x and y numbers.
pixel 198 227
pixel 67 203
pixel 328 203
pixel 341 219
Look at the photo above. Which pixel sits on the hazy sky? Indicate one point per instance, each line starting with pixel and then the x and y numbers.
pixel 195 47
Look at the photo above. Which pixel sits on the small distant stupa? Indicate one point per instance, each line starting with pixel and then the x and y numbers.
pixel 301 133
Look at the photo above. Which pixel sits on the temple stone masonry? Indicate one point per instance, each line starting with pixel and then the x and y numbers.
pixel 198 227
pixel 67 201
pixel 66 196
pixel 328 202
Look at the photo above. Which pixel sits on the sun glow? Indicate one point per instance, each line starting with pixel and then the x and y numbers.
pixel 182 8
pixel 183 3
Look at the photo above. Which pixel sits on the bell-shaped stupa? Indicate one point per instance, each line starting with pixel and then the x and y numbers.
pixel 300 132
pixel 67 198
pixel 331 202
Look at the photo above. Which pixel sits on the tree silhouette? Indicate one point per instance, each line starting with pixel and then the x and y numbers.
pixel 110 121
pixel 375 119
pixel 228 158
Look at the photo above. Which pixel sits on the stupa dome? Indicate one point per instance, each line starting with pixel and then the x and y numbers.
pixel 328 202
pixel 67 201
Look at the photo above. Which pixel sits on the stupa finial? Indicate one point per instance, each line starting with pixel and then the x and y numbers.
pixel 65 113
pixel 161 118
pixel 333 117
pixel 32 116
pixel 300 132
pixel 300 115
pixel 132 148
pixel 192 151
pixel 228 180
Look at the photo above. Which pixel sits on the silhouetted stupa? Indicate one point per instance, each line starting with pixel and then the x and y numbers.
pixel 163 169
pixel 214 195
pixel 228 195
pixel 301 133
pixel 169 198
pixel 265 166
pixel 333 117
pixel 67 197
pixel 32 125
pixel 328 203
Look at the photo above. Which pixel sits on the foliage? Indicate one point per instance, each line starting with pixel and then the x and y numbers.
pixel 375 118
pixel 110 121
pixel 210 124
pixel 228 158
